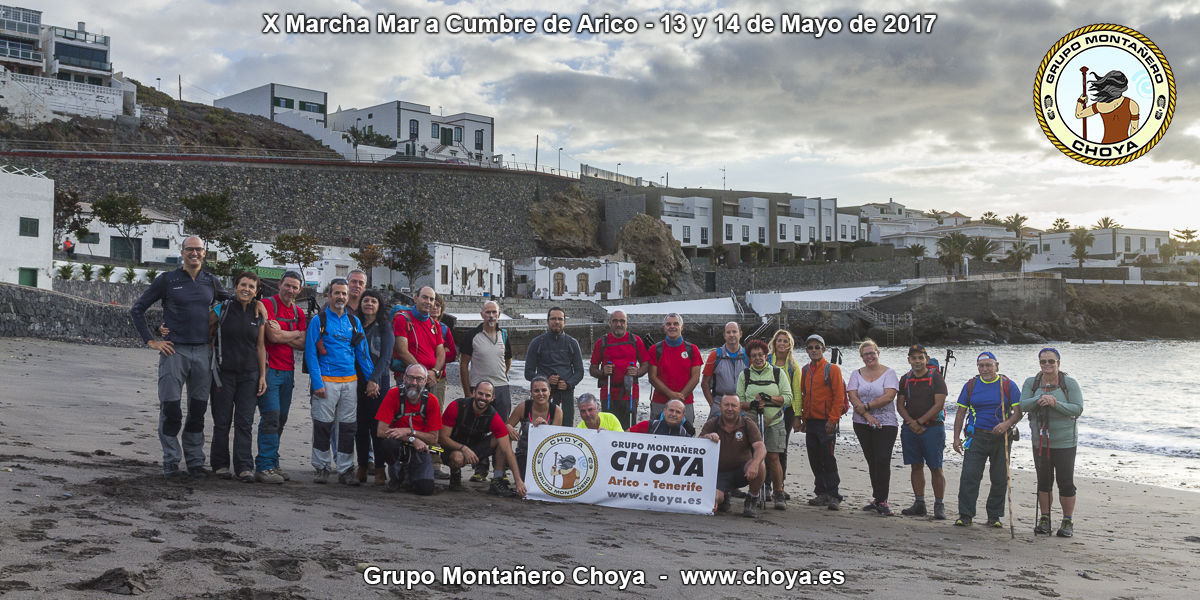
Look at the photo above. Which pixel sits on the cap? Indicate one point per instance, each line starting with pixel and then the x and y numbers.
pixel 917 348
pixel 815 337
pixel 983 355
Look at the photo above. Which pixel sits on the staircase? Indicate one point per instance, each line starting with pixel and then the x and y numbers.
pixel 888 322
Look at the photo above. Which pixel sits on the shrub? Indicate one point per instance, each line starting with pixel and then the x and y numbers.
pixel 86 270
pixel 151 274
pixel 65 271
pixel 105 272
pixel 129 275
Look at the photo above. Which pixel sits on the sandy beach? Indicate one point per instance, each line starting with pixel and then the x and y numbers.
pixel 83 495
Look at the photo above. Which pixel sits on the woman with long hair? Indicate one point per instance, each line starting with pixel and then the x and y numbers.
pixel 782 345
pixel 1118 113
pixel 373 386
pixel 535 411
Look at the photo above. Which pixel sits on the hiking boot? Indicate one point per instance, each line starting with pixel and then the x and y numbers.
pixel 479 477
pixel 873 506
pixel 321 476
pixel 1067 529
pixel 362 473
pixel 835 503
pixel 780 501
pixel 246 476
pixel 963 521
pixel 724 505
pixel 175 475
pixel 995 523
pixel 737 494
pixel 440 475
pixel 787 496
pixel 819 500
pixel 268 476
pixel 884 509
pixel 939 512
pixel 280 472
pixel 1043 526
pixel 748 509
pixel 380 475
pixel 499 487
pixel 916 510
pixel 223 473
pixel 197 473
pixel 347 478
pixel 455 480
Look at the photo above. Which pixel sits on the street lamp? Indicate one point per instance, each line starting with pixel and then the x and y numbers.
pixel 514 162
pixel 560 160
pixel 159 80
pixel 357 133
pixel 618 171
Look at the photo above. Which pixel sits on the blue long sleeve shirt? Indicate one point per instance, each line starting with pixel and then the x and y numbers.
pixel 337 364
pixel 185 303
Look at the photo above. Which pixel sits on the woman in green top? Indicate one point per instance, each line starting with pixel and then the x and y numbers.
pixel 1053 402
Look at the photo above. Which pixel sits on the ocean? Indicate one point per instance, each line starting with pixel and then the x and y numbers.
pixel 1137 425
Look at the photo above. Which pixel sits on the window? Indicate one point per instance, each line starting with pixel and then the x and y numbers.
pixel 27 276
pixel 414 129
pixel 123 248
pixel 812 212
pixel 480 279
pixel 782 231
pixel 370 115
pixel 729 232
pixel 796 229
pixel 703 235
pixel 1157 243
pixel 1127 243
pixel 160 243
pixel 1045 247
pixel 812 234
pixel 687 234
pixel 341 271
pixel 1142 244
pixel 762 235
pixel 283 102
pixel 829 233
pixel 91 238
pixel 479 139
pixel 445 275
pixel 458 134
pixel 29 227
pixel 435 131
pixel 462 277
pixel 313 107
pixel 560 284
pixel 581 284
pixel 854 234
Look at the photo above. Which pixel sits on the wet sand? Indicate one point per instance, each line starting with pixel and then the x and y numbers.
pixel 86 509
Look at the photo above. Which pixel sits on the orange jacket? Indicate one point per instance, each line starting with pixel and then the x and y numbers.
pixel 821 401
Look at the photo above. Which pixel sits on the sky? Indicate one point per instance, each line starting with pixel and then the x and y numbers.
pixel 939 120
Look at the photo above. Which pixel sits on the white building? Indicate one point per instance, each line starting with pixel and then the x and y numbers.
pixel 849 227
pixel 157 242
pixel 1120 244
pixel 27 220
pixel 76 55
pixel 272 99
pixel 457 270
pixel 574 278
pixel 21 41
pixel 746 221
pixel 691 221
pixel 1005 240
pixel 461 137
pixel 797 221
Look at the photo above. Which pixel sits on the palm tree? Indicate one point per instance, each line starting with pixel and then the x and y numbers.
pixel 1106 223
pixel 916 250
pixel 1014 223
pixel 1081 239
pixel 980 247
pixel 1018 255
pixel 990 218
pixel 933 213
pixel 1060 225
pixel 1188 239
pixel 951 249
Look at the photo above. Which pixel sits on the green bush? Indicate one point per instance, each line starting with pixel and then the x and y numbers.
pixel 129 275
pixel 151 274
pixel 65 271
pixel 105 272
pixel 86 270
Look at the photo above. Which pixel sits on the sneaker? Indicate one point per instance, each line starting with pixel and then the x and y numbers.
pixel 873 506
pixel 939 512
pixel 499 487
pixel 223 473
pixel 361 473
pixel 819 500
pixel 724 505
pixel 347 477
pixel 268 476
pixel 1067 529
pixel 246 477
pixel 440 475
pixel 995 523
pixel 1043 526
pixel 197 473
pixel 780 501
pixel 455 480
pixel 835 503
pixel 175 475
pixel 916 510
pixel 280 472
pixel 479 477
pixel 321 476
pixel 748 509
pixel 963 521
pixel 380 475
pixel 884 509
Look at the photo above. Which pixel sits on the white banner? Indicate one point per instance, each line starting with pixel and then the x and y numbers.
pixel 626 470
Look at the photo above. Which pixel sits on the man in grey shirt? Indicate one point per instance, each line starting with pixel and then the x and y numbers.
pixel 556 356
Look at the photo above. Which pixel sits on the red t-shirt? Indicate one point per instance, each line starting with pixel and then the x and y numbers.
pixel 642 427
pixel 423 338
pixel 290 318
pixel 622 352
pixel 432 421
pixel 675 368
pixel 450 417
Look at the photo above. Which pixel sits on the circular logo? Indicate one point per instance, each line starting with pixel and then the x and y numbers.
pixel 1104 94
pixel 564 466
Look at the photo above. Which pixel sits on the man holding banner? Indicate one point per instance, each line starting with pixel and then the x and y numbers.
pixel 670 422
pixel 742 453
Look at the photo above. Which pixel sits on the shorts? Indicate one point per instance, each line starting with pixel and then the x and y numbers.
pixel 775 437
pixel 482 449
pixel 728 481
pixel 927 448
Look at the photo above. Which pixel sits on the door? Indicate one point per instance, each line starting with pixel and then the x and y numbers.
pixel 27 277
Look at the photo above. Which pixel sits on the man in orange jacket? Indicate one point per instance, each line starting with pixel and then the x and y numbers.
pixel 823 404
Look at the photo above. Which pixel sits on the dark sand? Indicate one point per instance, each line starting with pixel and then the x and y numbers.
pixel 82 496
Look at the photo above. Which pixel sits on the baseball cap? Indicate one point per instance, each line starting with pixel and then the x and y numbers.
pixel 917 349
pixel 983 355
pixel 815 337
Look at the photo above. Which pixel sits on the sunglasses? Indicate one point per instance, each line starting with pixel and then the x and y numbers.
pixel 1047 361
pixel 193 249
pixel 813 348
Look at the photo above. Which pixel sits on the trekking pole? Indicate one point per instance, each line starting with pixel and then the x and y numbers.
pixel 1012 530
pixel 1084 71
pixel 608 390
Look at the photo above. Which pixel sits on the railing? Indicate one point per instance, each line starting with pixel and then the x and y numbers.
pixel 19 51
pixel 68 86
pixel 166 149
pixel 983 277
pixel 1129 282
pixel 27 171
pixel 737 304
pixel 81 36
pixel 683 214
pixel 84 63
pixel 19 27
pixel 831 306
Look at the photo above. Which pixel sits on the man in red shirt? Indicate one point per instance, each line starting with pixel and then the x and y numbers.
pixel 410 421
pixel 618 359
pixel 674 369
pixel 285 333
pixel 672 422
pixel 419 337
pixel 472 431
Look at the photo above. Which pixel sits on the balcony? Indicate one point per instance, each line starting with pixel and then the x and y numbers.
pixel 25 29
pixel 679 212
pixel 83 63
pixel 19 52
pixel 80 36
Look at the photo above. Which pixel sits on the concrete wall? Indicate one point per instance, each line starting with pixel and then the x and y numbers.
pixel 123 294
pixel 31 312
pixel 1028 299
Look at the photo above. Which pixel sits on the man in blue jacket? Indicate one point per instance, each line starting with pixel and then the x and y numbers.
pixel 333 343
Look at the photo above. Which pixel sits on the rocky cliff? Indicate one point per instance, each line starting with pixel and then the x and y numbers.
pixel 648 242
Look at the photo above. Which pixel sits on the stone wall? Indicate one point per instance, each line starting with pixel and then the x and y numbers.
pixel 105 292
pixel 831 274
pixel 30 312
pixel 1027 299
pixel 342 204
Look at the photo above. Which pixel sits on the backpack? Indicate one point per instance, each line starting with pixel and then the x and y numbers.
pixel 720 356
pixel 807 370
pixel 397 364
pixel 908 381
pixel 422 404
pixel 659 347
pixel 746 378
pixel 298 321
pixel 467 421
pixel 1013 434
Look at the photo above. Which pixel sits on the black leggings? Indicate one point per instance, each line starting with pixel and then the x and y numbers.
pixel 877 447
pixel 1059 465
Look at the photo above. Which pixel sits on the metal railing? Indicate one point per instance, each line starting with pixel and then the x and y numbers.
pixel 19 51
pixel 1129 282
pixel 983 277
pixel 162 149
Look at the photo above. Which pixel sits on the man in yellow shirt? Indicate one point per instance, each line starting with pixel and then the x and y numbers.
pixel 589 411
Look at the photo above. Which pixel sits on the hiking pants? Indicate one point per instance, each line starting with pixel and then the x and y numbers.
pixel 1060 465
pixel 273 408
pixel 189 364
pixel 502 401
pixel 877 447
pixel 821 459
pixel 566 400
pixel 983 447
pixel 338 409
pixel 233 404
pixel 364 438
pixel 408 464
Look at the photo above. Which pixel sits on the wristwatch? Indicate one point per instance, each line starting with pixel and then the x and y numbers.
pixel 412 439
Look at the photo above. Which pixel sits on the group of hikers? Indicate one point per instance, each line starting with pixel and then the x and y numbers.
pixel 240 352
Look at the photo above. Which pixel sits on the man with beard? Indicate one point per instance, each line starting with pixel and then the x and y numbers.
pixel 556 356
pixel 286 327
pixel 472 431
pixel 410 421
pixel 741 458
pixel 619 358
pixel 487 356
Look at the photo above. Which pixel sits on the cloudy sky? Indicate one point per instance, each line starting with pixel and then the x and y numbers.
pixel 941 120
